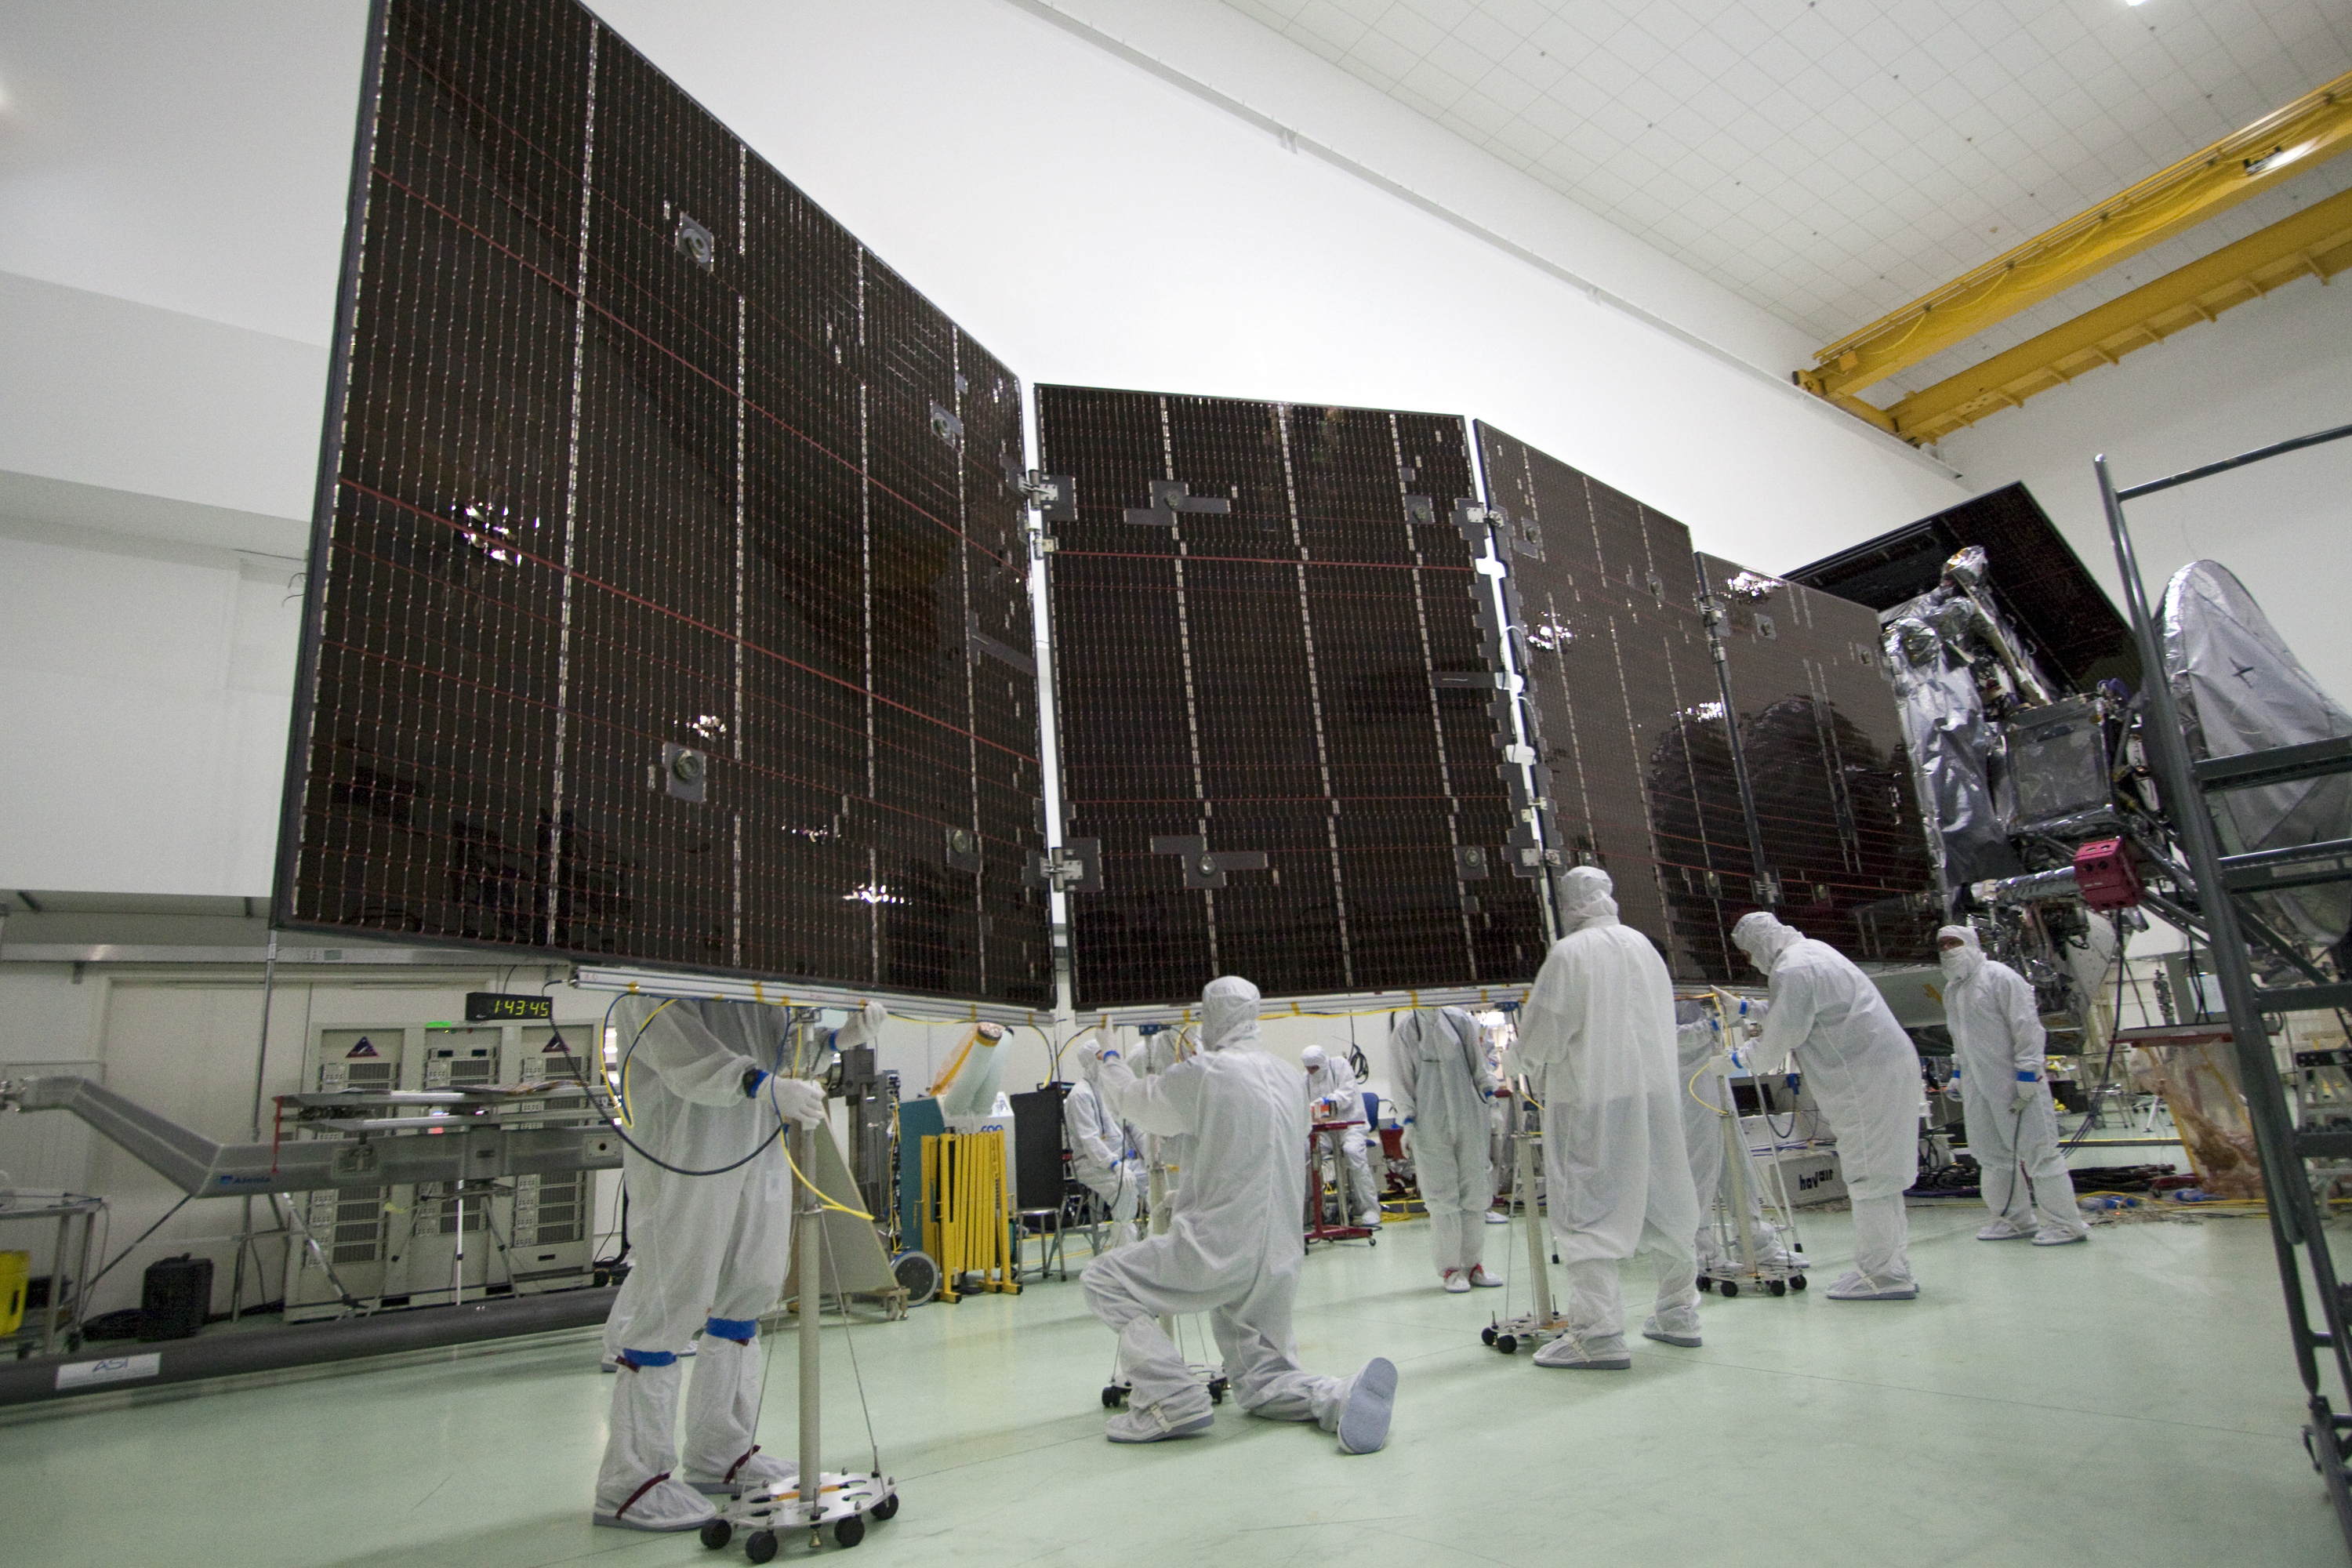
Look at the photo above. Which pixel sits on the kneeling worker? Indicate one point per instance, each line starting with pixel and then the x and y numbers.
pixel 1232 1247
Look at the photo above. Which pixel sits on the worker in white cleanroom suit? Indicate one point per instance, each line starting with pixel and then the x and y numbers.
pixel 1707 1106
pixel 1437 1069
pixel 1864 1076
pixel 1998 1049
pixel 1232 1247
pixel 708 1094
pixel 1102 1157
pixel 1599 1028
pixel 1333 1095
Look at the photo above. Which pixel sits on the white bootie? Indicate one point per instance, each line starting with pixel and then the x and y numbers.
pixel 722 1413
pixel 1583 1352
pixel 1482 1280
pixel 1457 1282
pixel 633 1486
pixel 1157 1422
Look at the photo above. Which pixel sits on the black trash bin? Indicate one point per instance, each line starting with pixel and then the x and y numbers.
pixel 175 1296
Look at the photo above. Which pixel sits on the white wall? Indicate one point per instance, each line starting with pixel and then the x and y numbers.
pixel 171 210
pixel 2277 368
pixel 144 687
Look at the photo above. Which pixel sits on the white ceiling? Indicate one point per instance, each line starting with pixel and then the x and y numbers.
pixel 1830 160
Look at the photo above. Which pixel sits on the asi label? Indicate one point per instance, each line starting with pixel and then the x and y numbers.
pixel 113 1369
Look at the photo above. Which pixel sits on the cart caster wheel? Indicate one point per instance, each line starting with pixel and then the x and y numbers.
pixel 1113 1396
pixel 1706 1284
pixel 849 1531
pixel 717 1533
pixel 888 1507
pixel 1778 1287
pixel 1486 1335
pixel 1218 1387
pixel 1729 1287
pixel 1508 1344
pixel 1796 1281
pixel 759 1545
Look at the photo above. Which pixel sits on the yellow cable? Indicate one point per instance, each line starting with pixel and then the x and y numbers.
pixel 956 1066
pixel 823 1198
pixel 621 1093
pixel 1692 1089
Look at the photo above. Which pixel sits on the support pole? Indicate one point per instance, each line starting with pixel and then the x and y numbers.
pixel 245 1242
pixel 809 1216
pixel 1538 1277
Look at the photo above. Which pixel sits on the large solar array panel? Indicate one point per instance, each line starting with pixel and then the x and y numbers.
pixel 668 597
pixel 1634 751
pixel 2066 617
pixel 1273 694
pixel 1821 744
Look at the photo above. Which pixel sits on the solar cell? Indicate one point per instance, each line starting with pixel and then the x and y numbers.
pixel 669 597
pixel 1636 753
pixel 1255 615
pixel 1818 733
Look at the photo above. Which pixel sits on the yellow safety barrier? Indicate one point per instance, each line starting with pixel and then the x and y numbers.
pixel 15 1277
pixel 968 1213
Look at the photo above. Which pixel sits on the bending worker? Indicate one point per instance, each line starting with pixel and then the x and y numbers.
pixel 1102 1157
pixel 1332 1090
pixel 1998 1049
pixel 1600 1027
pixel 1437 1066
pixel 1864 1076
pixel 710 1197
pixel 1232 1247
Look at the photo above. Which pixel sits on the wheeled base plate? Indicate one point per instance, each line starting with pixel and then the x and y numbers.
pixel 1772 1278
pixel 766 1519
pixel 1114 1394
pixel 1507 1334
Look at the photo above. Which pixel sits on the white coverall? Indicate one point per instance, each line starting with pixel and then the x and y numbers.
pixel 1599 1025
pixel 1101 1157
pixel 1335 1096
pixel 710 1252
pixel 1437 1069
pixel 1864 1076
pixel 1232 1247
pixel 1997 1047
pixel 1704 1101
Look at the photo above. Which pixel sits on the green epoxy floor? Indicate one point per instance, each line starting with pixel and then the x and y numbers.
pixel 2130 1402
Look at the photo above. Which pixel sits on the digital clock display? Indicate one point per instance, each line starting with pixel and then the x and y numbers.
pixel 495 1007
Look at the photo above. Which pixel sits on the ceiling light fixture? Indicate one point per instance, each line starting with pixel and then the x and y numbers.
pixel 2278 158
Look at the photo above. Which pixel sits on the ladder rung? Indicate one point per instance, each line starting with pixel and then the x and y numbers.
pixel 2281 765
pixel 2298 866
pixel 2304 998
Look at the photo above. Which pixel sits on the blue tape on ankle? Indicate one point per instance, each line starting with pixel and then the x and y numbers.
pixel 643 1359
pixel 740 1330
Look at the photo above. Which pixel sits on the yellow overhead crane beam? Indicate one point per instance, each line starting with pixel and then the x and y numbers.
pixel 2316 242
pixel 2243 164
